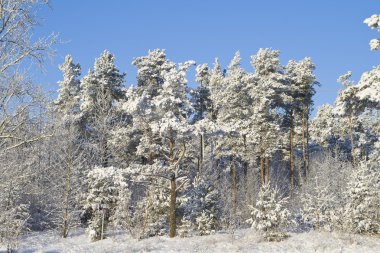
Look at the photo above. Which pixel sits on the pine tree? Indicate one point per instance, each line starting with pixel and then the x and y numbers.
pixel 201 95
pixel 363 198
pixel 268 91
pixel 70 156
pixel 301 90
pixel 325 128
pixel 173 128
pixel 269 214
pixel 202 106
pixel 369 88
pixel 206 223
pixel 202 207
pixel 234 109
pixel 67 103
pixel 349 107
pixel 101 89
pixel 150 71
pixel 107 192
pixel 216 86
pixel 151 215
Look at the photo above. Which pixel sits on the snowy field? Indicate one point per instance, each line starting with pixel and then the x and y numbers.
pixel 241 241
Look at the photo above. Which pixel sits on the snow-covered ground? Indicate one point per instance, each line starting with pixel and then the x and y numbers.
pixel 241 241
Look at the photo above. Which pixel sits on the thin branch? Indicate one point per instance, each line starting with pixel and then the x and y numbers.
pixel 150 182
pixel 25 142
pixel 182 185
pixel 182 155
pixel 156 175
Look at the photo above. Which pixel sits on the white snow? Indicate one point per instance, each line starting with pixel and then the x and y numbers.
pixel 245 240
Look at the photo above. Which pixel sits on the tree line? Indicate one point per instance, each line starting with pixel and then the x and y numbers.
pixel 163 157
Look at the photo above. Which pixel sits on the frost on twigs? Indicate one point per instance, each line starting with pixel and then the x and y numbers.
pixel 318 208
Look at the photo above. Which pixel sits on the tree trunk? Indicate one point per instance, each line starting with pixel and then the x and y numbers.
pixel 266 169
pixel 104 154
pixel 150 158
pixel 234 185
pixel 307 140
pixel 201 149
pixel 352 141
pixel 304 152
pixel 262 170
pixel 65 231
pixel 291 152
pixel 172 209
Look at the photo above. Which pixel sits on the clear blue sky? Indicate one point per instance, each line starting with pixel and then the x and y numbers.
pixel 331 32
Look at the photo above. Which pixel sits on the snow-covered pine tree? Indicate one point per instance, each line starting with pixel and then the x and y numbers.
pixel 354 102
pixel 234 112
pixel 215 87
pixel 172 107
pixel 69 153
pixel 269 214
pixel 325 128
pixel 151 214
pixel 107 192
pixel 138 136
pixel 163 117
pixel 363 197
pixel 185 227
pixel 101 89
pixel 202 207
pixel 206 223
pixel 301 90
pixel 268 91
pixel 14 222
pixel 369 88
pixel 349 106
pixel 369 94
pixel 202 105
pixel 200 96
pixel 67 104
pixel 150 71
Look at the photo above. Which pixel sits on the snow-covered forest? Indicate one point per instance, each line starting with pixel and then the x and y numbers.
pixel 238 152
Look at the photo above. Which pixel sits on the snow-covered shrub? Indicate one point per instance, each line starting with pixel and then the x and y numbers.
pixel 206 223
pixel 321 197
pixel 13 222
pixel 269 215
pixel 362 210
pixel 122 216
pixel 201 207
pixel 107 187
pixel 318 208
pixel 185 227
pixel 152 212
pixel 97 225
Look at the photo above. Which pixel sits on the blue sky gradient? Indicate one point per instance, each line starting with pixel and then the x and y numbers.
pixel 331 32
